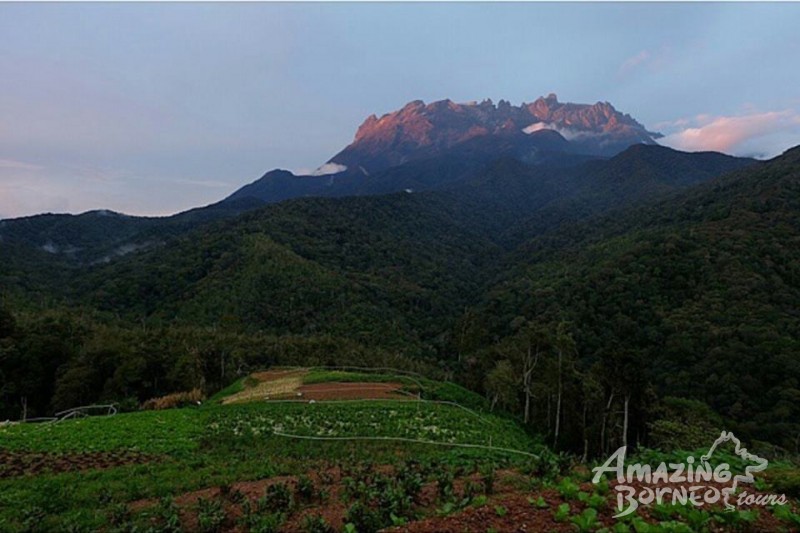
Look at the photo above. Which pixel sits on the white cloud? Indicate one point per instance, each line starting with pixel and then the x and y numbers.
pixel 27 189
pixel 568 133
pixel 329 168
pixel 756 134
pixel 634 62
pixel 651 60
pixel 18 165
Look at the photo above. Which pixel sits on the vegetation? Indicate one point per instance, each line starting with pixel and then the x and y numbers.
pixel 624 302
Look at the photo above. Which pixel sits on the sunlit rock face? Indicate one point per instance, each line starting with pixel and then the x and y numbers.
pixel 420 130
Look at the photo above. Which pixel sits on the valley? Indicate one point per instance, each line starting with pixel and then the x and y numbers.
pixel 447 332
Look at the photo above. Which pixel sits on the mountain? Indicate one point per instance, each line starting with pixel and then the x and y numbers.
pixel 654 272
pixel 101 235
pixel 663 274
pixel 418 130
pixel 444 141
pixel 507 200
pixel 693 295
pixel 526 200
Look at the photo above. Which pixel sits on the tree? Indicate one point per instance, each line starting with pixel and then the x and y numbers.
pixel 524 351
pixel 501 385
pixel 565 347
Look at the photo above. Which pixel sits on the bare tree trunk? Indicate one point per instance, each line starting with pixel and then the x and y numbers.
pixel 558 404
pixel 527 377
pixel 527 405
pixel 24 402
pixel 625 421
pixel 549 400
pixel 585 438
pixel 605 421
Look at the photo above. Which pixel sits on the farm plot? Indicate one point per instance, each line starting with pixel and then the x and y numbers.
pixel 21 463
pixel 426 422
pixel 150 432
pixel 307 385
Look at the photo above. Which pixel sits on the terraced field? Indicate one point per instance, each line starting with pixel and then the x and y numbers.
pixel 272 453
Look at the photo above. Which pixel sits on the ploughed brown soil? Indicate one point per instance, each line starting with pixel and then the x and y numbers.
pixel 353 391
pixel 510 494
pixel 18 463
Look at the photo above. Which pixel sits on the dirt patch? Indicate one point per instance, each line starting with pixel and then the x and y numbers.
pixel 14 463
pixel 513 506
pixel 288 385
pixel 512 509
pixel 353 391
pixel 332 509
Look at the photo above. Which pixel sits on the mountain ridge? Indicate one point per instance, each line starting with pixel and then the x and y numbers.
pixel 400 136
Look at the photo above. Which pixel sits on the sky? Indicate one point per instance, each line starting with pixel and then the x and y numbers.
pixel 151 109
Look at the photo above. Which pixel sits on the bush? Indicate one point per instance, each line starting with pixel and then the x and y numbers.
pixel 305 488
pixel 278 497
pixel 363 519
pixel 316 524
pixel 210 516
pixel 176 399
pixel 684 424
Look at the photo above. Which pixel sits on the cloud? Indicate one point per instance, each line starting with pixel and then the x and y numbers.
pixel 18 165
pixel 634 62
pixel 27 189
pixel 651 60
pixel 756 134
pixel 325 170
pixel 568 133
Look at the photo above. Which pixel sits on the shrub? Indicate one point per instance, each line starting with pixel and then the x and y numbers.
pixel 278 497
pixel 586 521
pixel 305 488
pixel 488 478
pixel 568 489
pixel 363 519
pixel 562 513
pixel 444 483
pixel 210 515
pixel 176 399
pixel 316 524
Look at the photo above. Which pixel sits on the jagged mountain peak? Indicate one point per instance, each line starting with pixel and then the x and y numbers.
pixel 419 130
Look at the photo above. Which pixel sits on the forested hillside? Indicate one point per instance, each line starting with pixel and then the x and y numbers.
pixel 692 297
pixel 581 298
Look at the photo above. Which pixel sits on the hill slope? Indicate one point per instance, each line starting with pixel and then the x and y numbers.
pixel 695 295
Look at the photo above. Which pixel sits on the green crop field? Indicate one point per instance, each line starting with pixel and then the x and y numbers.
pixel 193 448
pixel 354 465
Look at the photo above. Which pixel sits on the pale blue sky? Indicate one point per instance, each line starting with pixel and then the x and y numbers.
pixel 156 108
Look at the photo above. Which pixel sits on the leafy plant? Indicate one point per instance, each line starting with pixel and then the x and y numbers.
pixel 488 477
pixel 363 519
pixel 539 502
pixel 784 514
pixel 316 524
pixel 305 488
pixel 568 489
pixel 210 515
pixel 562 513
pixel 586 521
pixel 444 484
pixel 277 498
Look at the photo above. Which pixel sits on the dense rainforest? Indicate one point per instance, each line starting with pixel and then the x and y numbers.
pixel 650 298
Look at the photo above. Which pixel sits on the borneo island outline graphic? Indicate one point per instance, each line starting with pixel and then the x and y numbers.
pixel 688 482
